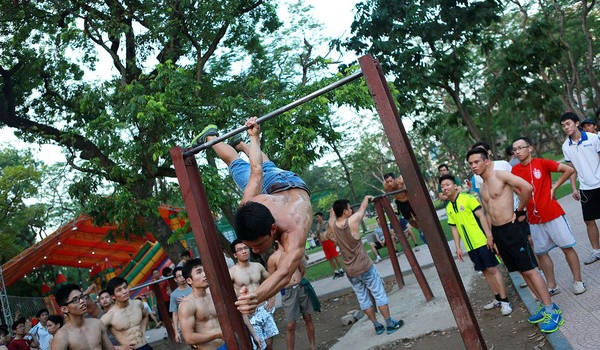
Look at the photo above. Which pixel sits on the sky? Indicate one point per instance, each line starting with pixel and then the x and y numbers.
pixel 335 15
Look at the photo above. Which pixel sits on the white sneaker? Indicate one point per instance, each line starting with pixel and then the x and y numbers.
pixel 493 304
pixel 505 308
pixel 594 256
pixel 378 259
pixel 578 287
pixel 553 291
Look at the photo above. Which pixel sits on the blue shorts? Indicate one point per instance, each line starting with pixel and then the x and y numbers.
pixel 264 325
pixel 365 282
pixel 274 179
pixel 483 258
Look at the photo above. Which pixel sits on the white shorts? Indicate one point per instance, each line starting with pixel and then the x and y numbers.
pixel 551 234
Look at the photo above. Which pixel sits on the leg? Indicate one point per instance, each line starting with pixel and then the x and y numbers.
pixel 269 343
pixel 291 334
pixel 374 250
pixel 547 266
pixel 370 312
pixel 331 262
pixel 310 330
pixel 537 285
pixel 227 153
pixel 412 236
pixel 385 311
pixel 593 235
pixel 493 277
pixel 337 262
pixel 573 261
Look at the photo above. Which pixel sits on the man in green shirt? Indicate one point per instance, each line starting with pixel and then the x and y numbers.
pixel 468 223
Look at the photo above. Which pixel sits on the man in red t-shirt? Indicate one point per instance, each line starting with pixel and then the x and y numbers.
pixel 20 342
pixel 549 226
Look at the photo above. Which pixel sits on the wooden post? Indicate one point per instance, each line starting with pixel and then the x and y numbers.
pixel 421 204
pixel 201 220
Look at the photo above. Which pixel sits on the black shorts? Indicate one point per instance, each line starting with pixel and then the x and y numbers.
pixel 405 209
pixel 590 204
pixel 513 246
pixel 378 245
pixel 483 258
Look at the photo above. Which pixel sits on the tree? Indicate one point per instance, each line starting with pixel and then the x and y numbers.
pixel 20 223
pixel 175 67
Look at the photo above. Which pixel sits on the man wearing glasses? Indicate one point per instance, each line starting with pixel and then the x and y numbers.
pixel 547 222
pixel 250 274
pixel 175 298
pixel 78 333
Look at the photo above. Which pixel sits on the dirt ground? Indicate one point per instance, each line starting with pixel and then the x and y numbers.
pixel 500 332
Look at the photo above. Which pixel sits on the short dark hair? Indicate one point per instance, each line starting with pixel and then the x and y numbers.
pixel 447 177
pixel 62 294
pixel 185 253
pixel 524 138
pixel 339 206
pixel 253 220
pixel 18 321
pixel 189 265
pixel 234 243
pixel 569 116
pixel 58 319
pixel 41 311
pixel 3 331
pixel 443 166
pixel 114 283
pixel 167 271
pixel 386 175
pixel 319 213
pixel 102 292
pixel 178 268
pixel 481 144
pixel 477 150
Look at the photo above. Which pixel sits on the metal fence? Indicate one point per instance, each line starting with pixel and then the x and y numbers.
pixel 28 306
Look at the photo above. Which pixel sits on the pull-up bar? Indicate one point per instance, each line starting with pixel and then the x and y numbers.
pixel 391 193
pixel 278 111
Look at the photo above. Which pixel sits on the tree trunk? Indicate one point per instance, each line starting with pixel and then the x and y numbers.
pixel 464 114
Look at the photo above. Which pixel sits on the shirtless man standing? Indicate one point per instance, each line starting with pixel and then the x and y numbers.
pixel 78 333
pixel 275 206
pixel 249 274
pixel 509 231
pixel 197 314
pixel 296 301
pixel 126 319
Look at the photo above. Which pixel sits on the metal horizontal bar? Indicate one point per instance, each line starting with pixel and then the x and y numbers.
pixel 140 286
pixel 391 193
pixel 281 110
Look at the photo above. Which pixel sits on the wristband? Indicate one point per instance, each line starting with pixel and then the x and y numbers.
pixel 520 213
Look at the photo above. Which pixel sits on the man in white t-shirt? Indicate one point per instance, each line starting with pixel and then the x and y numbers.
pixel 582 151
pixel 40 332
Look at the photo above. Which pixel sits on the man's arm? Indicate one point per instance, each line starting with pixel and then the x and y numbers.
pixel 521 187
pixel 486 227
pixel 186 313
pixel 105 341
pixel 291 257
pixel 175 317
pixel 60 341
pixel 254 186
pixel 566 171
pixel 456 238
pixel 359 214
pixel 573 180
pixel 145 317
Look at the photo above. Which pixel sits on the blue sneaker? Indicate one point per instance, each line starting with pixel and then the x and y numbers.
pixel 209 130
pixel 379 329
pixel 394 327
pixel 551 322
pixel 538 316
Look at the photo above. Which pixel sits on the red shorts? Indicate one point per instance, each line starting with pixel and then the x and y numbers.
pixel 329 249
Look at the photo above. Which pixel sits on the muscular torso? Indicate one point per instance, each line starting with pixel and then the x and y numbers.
pixel 205 316
pixel 126 323
pixel 395 186
pixel 497 197
pixel 86 337
pixel 274 261
pixel 249 276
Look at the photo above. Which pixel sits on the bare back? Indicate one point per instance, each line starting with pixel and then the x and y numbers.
pixel 249 276
pixel 90 336
pixel 202 309
pixel 126 323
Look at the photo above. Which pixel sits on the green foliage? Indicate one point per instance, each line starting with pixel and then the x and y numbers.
pixel 20 178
